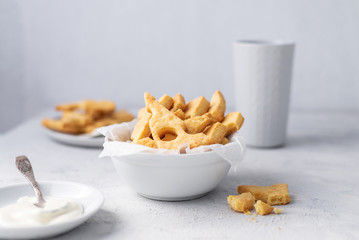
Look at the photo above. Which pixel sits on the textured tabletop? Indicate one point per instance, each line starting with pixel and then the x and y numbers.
pixel 320 163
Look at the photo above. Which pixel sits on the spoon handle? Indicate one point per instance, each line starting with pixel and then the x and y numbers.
pixel 24 166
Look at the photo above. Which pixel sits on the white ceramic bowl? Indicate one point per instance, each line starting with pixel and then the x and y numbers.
pixel 172 177
pixel 90 198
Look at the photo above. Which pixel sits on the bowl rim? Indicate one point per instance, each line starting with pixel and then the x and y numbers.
pixel 175 154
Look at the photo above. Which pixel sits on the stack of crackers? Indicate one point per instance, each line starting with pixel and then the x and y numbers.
pixel 85 116
pixel 170 123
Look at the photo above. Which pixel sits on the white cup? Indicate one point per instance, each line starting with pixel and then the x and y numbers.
pixel 263 72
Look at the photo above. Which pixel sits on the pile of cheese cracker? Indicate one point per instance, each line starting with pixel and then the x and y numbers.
pixel 169 123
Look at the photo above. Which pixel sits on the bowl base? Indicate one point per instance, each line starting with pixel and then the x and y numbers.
pixel 174 199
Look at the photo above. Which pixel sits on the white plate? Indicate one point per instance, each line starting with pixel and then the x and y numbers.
pixel 84 140
pixel 90 198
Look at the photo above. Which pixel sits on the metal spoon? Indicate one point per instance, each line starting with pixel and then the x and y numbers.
pixel 24 166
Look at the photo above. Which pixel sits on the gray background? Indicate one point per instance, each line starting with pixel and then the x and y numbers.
pixel 65 50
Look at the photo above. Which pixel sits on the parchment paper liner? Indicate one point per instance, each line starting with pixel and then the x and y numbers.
pixel 118 143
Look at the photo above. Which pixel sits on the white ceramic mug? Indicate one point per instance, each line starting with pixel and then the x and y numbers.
pixel 263 72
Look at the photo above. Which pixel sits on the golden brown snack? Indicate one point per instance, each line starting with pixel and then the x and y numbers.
pixel 169 137
pixel 100 123
pixel 98 109
pixel 224 141
pixel 262 208
pixel 216 131
pixel 276 194
pixel 164 121
pixel 85 116
pixel 122 116
pixel 166 101
pixel 76 120
pixel 95 109
pixel 196 107
pixel 178 103
pixel 58 125
pixel 179 113
pixel 142 112
pixel 241 203
pixel 69 106
pixel 116 117
pixel 142 128
pixel 148 142
pixel 198 124
pixel 217 106
pixel 173 123
pixel 233 122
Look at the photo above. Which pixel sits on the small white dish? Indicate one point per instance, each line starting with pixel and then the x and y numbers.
pixel 83 140
pixel 172 177
pixel 90 198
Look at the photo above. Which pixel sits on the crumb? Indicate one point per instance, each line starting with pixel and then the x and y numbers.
pixel 278 211
pixel 284 222
pixel 264 224
pixel 254 220
pixel 278 228
pixel 256 214
pixel 248 213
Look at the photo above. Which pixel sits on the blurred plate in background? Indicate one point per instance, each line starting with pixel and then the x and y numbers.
pixel 83 140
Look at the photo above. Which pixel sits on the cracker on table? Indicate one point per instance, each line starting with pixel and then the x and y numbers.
pixel 276 194
pixel 241 203
pixel 262 208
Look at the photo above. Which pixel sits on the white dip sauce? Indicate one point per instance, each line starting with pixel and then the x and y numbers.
pixel 24 213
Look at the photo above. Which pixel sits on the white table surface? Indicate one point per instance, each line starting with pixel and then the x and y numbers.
pixel 320 163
